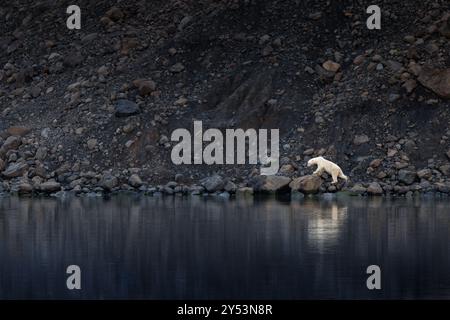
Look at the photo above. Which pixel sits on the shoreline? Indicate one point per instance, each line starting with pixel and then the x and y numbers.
pixel 243 192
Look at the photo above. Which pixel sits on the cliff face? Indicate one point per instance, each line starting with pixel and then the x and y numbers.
pixel 75 104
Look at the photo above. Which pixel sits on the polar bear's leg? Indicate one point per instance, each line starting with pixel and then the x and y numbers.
pixel 334 176
pixel 342 175
pixel 318 171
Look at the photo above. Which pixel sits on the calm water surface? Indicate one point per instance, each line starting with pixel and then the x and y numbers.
pixel 178 248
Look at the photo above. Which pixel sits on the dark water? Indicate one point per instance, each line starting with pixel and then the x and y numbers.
pixel 130 247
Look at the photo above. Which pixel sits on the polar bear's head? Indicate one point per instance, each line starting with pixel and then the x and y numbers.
pixel 314 161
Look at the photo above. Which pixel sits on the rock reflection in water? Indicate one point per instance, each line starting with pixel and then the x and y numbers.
pixel 144 247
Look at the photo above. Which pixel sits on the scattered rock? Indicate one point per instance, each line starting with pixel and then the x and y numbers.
pixel 92 143
pixel 135 181
pixel 25 187
pixel 425 174
pixel 50 186
pixel 177 68
pixel 331 66
pixel 315 16
pixel 184 22
pixel 375 189
pixel 445 169
pixel 41 153
pixel 182 101
pixel 74 59
pixel 11 143
pixel 145 87
pixel 360 139
pixel 406 176
pixel 375 163
pixel 18 131
pixel 109 182
pixel 230 187
pixel 126 108
pixel 115 14
pixel 436 80
pixel 394 97
pixel 359 59
pixel 410 85
pixel 358 189
pixel 16 169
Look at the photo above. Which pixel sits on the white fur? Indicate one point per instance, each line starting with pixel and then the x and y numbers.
pixel 325 165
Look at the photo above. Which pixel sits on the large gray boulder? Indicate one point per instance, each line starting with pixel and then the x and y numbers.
pixel 276 183
pixel 307 184
pixel 406 176
pixel 213 183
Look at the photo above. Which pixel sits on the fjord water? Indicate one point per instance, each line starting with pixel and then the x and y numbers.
pixel 178 248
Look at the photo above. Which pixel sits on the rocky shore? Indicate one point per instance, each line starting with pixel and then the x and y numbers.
pixel 92 110
pixel 24 172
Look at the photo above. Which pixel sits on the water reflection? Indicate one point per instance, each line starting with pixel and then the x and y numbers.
pixel 131 247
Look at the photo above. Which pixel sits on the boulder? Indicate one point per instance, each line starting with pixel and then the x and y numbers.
pixel 50 186
pixel 358 189
pixel 375 189
pixel 406 176
pixel 436 80
pixel 276 183
pixel 144 86
pixel 18 131
pixel 126 108
pixel 331 66
pixel 360 139
pixel 424 174
pixel 108 182
pixel 25 187
pixel 16 169
pixel 11 143
pixel 443 187
pixel 307 184
pixel 213 183
pixel 135 181
pixel 230 187
pixel 445 169
pixel 375 163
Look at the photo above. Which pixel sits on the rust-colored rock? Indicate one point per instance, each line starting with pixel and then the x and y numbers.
pixel 437 81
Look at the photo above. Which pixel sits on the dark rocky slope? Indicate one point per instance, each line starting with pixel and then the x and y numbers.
pixel 374 101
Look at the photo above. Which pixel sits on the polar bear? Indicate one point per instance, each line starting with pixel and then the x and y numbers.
pixel 327 166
